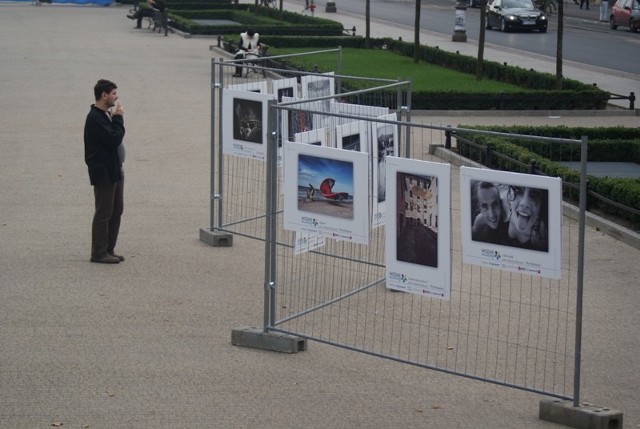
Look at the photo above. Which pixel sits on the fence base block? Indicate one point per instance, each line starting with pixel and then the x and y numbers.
pixel 216 238
pixel 273 341
pixel 586 416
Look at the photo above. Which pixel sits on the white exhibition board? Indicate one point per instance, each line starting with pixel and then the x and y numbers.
pixel 418 227
pixel 322 194
pixel 511 221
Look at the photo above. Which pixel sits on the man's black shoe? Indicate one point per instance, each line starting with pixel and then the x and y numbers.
pixel 105 259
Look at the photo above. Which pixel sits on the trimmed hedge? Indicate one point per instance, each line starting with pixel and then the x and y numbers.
pixel 264 20
pixel 621 144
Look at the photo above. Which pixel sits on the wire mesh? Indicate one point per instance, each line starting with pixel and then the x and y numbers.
pixel 501 327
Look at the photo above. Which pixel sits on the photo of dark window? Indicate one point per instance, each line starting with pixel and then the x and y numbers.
pixel 285 92
pixel 351 142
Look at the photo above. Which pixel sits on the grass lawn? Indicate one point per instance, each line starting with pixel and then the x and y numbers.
pixel 378 63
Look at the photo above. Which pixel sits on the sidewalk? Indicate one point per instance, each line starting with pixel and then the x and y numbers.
pixel 146 343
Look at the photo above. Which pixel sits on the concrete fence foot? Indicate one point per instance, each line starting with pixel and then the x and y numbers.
pixel 273 341
pixel 216 238
pixel 585 416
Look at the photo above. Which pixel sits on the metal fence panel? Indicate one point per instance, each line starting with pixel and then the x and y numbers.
pixel 505 328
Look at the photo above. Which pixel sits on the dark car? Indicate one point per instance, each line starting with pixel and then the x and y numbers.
pixel 515 14
pixel 625 13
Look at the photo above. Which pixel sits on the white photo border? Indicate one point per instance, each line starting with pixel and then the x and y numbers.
pixel 238 147
pixel 504 256
pixel 354 229
pixel 426 279
pixel 378 170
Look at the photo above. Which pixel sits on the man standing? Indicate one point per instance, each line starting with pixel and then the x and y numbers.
pixel 604 11
pixel 104 155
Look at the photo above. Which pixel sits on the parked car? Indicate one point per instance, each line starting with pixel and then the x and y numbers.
pixel 625 13
pixel 516 14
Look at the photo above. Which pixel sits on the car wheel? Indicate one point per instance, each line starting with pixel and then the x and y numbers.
pixel 503 25
pixel 633 27
pixel 488 25
pixel 612 23
pixel 543 29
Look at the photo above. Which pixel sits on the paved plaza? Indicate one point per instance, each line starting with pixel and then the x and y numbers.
pixel 146 343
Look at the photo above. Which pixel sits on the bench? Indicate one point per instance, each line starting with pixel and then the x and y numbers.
pixel 160 20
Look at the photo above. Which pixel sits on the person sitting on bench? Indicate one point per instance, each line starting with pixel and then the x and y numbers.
pixel 147 11
pixel 249 45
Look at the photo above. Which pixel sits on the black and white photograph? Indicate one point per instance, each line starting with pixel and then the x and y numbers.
pixel 386 136
pixel 352 136
pixel 313 86
pixel 418 227
pixel 247 120
pixel 509 215
pixel 246 115
pixel 513 217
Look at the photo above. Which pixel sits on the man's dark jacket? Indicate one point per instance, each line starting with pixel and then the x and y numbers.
pixel 102 136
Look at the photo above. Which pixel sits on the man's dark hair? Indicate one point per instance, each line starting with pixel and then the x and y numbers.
pixel 103 85
pixel 251 32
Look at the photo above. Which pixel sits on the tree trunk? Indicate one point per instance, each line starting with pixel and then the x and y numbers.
pixel 483 30
pixel 416 36
pixel 367 15
pixel 559 45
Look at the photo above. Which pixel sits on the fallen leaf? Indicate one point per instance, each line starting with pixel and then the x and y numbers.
pixel 109 392
pixel 449 348
pixel 436 406
pixel 419 411
pixel 56 424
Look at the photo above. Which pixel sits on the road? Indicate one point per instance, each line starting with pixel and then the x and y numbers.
pixel 585 41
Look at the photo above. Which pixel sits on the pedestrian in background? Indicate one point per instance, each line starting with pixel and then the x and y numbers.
pixel 582 2
pixel 604 11
pixel 104 155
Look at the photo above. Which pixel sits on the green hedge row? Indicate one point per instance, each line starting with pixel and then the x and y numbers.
pixel 574 95
pixel 264 20
pixel 606 144
pixel 625 191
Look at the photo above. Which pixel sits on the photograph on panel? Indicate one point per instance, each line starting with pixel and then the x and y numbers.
pixel 247 120
pixel 418 227
pixel 326 191
pixel 417 221
pixel 246 114
pixel 325 186
pixel 386 136
pixel 511 220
